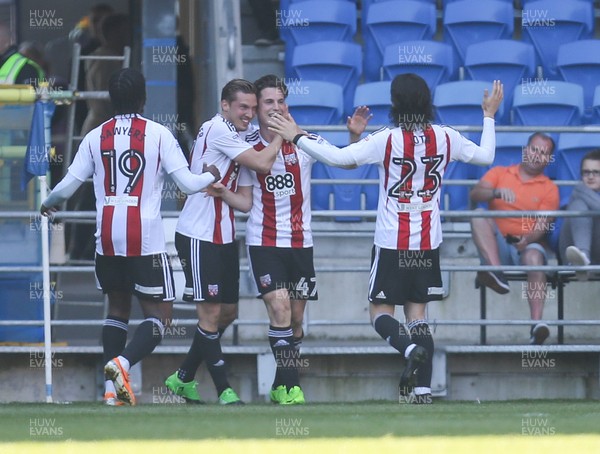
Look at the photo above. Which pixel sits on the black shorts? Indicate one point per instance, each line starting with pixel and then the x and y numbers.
pixel 290 268
pixel 147 276
pixel 400 276
pixel 212 271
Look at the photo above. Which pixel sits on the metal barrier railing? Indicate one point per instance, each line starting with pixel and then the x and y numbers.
pixel 330 269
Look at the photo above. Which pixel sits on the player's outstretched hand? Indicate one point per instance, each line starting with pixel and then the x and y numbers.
pixel 491 103
pixel 286 127
pixel 359 120
pixel 212 169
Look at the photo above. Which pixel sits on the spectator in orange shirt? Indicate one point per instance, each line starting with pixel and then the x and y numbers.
pixel 518 241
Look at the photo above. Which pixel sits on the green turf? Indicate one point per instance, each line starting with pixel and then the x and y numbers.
pixel 86 421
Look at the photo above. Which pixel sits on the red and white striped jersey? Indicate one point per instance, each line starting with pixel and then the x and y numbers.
pixel 209 218
pixel 411 168
pixel 280 214
pixel 128 156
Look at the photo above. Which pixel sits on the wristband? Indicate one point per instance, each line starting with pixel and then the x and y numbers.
pixel 297 138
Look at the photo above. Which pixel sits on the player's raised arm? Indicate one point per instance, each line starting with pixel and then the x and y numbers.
pixel 484 153
pixel 358 122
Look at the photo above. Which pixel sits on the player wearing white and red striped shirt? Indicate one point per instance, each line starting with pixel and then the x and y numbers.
pixel 405 260
pixel 205 237
pixel 128 157
pixel 278 236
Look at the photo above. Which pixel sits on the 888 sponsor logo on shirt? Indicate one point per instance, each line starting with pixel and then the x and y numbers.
pixel 281 185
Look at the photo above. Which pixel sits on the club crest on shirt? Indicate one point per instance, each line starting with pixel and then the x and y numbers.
pixel 290 159
pixel 213 289
pixel 265 280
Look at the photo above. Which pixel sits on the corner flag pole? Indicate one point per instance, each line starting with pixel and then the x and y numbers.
pixel 46 257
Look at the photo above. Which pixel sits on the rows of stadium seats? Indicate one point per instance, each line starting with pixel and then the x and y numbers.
pixel 478 45
pixel 551 75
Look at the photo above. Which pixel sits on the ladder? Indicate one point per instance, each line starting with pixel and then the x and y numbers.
pixel 82 95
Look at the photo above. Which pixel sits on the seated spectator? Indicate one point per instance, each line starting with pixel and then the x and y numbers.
pixel 575 243
pixel 521 240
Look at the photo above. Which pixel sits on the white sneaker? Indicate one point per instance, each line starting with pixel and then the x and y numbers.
pixel 578 258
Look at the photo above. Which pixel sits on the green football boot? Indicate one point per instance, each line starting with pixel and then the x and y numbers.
pixel 186 390
pixel 278 394
pixel 294 396
pixel 229 397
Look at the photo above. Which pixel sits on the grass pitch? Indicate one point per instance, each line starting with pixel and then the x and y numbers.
pixel 462 427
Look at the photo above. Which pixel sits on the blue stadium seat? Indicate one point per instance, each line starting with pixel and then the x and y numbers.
pixel 596 106
pixel 509 148
pixel 579 63
pixel 314 102
pixel 547 24
pixel 375 95
pixel 366 5
pixel 547 103
pixel 345 196
pixel 505 59
pixel 431 60
pixel 310 21
pixel 320 192
pixel 391 22
pixel 330 61
pixel 459 103
pixel 473 21
pixel 457 197
pixel 571 149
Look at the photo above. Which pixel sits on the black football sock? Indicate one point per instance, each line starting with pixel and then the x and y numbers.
pixel 210 346
pixel 298 341
pixel 114 337
pixel 282 346
pixel 393 332
pixel 193 359
pixel 147 336
pixel 421 335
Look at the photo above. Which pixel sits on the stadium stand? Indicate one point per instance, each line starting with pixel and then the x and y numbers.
pixel 542 102
pixel 579 62
pixel 391 22
pixel 311 21
pixel 376 95
pixel 596 106
pixel 431 60
pixel 473 21
pixel 316 102
pixel 548 24
pixel 504 59
pixel 331 61
pixel 459 103
pixel 343 196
